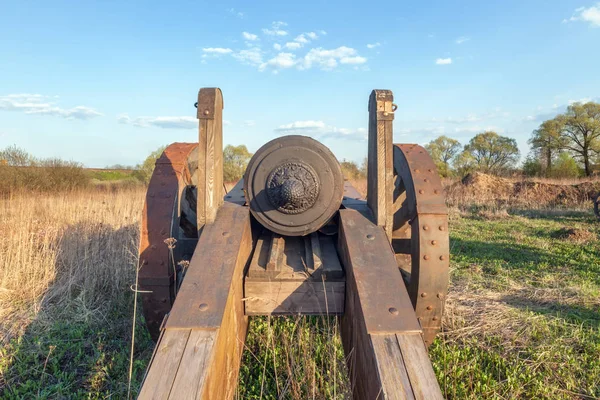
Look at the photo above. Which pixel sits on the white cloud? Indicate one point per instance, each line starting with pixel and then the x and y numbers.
pixel 312 35
pixel 582 100
pixel 251 56
pixel 238 14
pixel 462 39
pixel 184 122
pixel 327 59
pixel 323 33
pixel 443 61
pixel 373 45
pixel 320 130
pixel 590 15
pixel 293 45
pixel 216 50
pixel 43 105
pixel 353 60
pixel 280 61
pixel 249 36
pixel 301 39
pixel 277 46
pixel 275 29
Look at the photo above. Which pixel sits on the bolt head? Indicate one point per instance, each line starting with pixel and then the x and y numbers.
pixel 370 237
pixel 203 307
pixel 425 257
pixel 425 227
pixel 423 294
pixel 393 310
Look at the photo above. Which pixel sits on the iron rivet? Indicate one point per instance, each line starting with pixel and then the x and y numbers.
pixel 442 258
pixel 421 191
pixel 429 308
pixel 206 112
pixel 203 307
pixel 417 170
pixel 425 227
pixel 225 233
pixel 441 227
pixel 370 237
pixel 393 310
pixel 434 318
pixel 425 180
pixel 439 295
pixel 423 294
pixel 433 242
pixel 436 191
pixel 425 257
pixel 429 170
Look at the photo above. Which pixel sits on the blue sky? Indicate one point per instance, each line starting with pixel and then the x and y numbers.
pixel 108 82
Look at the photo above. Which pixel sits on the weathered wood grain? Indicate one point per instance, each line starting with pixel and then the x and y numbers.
pixel 195 361
pixel 418 366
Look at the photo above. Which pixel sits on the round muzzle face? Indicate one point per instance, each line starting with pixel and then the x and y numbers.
pixel 294 185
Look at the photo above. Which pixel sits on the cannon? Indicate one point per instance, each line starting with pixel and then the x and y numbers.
pixel 293 238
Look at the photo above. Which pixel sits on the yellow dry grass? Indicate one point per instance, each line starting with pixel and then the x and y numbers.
pixel 65 252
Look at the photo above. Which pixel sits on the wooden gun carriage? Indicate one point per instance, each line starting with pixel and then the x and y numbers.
pixel 293 238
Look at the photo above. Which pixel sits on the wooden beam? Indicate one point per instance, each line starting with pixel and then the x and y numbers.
pixel 380 169
pixel 210 155
pixel 200 350
pixel 378 312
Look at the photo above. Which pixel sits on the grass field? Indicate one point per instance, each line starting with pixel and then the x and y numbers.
pixel 522 320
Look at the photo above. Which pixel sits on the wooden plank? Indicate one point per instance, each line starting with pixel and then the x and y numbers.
pixel 380 169
pixel 395 383
pixel 370 265
pixel 275 253
pixel 210 155
pixel 195 362
pixel 293 297
pixel 220 257
pixel 418 366
pixel 165 364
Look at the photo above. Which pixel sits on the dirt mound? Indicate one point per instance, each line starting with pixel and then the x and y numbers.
pixel 574 235
pixel 481 188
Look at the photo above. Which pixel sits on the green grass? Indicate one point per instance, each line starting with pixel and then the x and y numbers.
pixel 522 321
pixel 109 175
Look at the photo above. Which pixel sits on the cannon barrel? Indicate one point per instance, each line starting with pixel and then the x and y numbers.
pixel 294 185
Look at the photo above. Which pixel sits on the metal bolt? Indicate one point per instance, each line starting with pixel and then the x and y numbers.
pixel 203 307
pixel 442 258
pixel 439 295
pixel 206 112
pixel 423 294
pixel 429 308
pixel 417 170
pixel 370 237
pixel 430 170
pixel 393 310
pixel 436 191
pixel 433 242
pixel 425 180
pixel 425 228
pixel 225 234
pixel 421 191
pixel 425 257
pixel 442 228
pixel 434 318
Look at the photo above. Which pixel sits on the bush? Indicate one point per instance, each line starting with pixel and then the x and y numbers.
pixel 565 167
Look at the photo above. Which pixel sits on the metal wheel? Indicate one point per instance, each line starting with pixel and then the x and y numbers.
pixel 420 234
pixel 169 232
pixel 597 206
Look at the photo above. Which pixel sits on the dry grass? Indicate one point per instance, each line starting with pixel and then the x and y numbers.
pixel 65 253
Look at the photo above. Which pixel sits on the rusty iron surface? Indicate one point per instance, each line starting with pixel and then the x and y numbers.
pixel 294 185
pixel 421 222
pixel 159 221
pixel 372 279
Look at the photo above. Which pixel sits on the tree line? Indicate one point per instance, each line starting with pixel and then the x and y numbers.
pixel 567 145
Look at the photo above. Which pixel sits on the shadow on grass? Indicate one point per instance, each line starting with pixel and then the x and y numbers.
pixel 78 346
pixel 575 314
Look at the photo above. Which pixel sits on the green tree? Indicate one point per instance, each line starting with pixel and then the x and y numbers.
pixel 144 171
pixel 547 141
pixel 351 170
pixel 464 163
pixel 493 153
pixel 565 167
pixel 443 150
pixel 580 130
pixel 532 166
pixel 235 160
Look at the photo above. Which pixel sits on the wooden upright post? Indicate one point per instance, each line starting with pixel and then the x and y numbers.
pixel 380 173
pixel 210 155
